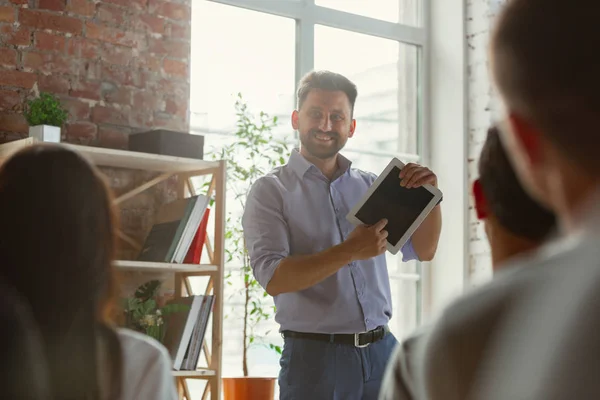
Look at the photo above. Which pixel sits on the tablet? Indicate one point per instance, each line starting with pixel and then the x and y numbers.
pixel 405 209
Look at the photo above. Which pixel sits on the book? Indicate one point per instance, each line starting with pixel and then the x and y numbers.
pixel 194 254
pixel 180 327
pixel 174 228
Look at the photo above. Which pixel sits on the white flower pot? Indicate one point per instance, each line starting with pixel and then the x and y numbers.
pixel 45 133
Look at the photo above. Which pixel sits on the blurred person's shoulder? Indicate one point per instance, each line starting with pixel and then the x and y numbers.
pixel 147 367
pixel 453 350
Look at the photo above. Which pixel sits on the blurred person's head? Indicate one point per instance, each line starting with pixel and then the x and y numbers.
pixel 324 118
pixel 57 243
pixel 545 64
pixel 514 223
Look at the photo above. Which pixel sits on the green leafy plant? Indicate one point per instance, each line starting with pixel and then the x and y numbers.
pixel 45 110
pixel 143 314
pixel 254 152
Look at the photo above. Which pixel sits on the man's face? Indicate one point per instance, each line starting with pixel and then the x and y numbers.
pixel 324 123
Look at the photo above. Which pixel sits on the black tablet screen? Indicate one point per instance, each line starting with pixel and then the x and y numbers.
pixel 399 205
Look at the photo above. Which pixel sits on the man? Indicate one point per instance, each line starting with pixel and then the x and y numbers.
pixel 329 280
pixel 515 225
pixel 543 318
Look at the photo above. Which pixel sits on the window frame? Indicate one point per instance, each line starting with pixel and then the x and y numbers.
pixel 307 14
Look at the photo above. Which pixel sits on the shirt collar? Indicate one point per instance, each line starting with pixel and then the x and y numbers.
pixel 301 165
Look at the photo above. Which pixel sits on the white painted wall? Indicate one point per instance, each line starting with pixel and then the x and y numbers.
pixel 462 106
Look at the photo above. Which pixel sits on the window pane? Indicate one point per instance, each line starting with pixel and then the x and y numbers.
pixel 402 11
pixel 385 72
pixel 237 50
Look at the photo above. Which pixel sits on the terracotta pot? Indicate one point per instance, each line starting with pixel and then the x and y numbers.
pixel 249 388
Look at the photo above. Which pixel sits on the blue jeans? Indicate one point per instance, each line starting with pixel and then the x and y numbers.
pixel 318 370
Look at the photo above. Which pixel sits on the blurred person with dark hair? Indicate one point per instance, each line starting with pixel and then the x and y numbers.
pixel 515 225
pixel 57 245
pixel 544 315
pixel 23 366
pixel 329 279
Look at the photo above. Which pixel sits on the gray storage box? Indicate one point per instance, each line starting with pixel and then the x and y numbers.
pixel 168 143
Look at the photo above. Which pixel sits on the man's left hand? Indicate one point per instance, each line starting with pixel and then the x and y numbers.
pixel 415 175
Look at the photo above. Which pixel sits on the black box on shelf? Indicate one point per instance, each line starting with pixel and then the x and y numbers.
pixel 168 143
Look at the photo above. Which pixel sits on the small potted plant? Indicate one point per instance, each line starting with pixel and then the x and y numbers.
pixel 143 312
pixel 45 116
pixel 254 152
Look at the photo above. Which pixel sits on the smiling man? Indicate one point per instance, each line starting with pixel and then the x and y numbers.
pixel 329 279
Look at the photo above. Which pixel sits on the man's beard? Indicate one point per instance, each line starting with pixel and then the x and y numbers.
pixel 322 149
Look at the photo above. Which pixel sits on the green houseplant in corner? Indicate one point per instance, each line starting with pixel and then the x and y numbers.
pixel 254 152
pixel 45 116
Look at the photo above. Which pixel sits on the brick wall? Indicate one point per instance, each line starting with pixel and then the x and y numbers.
pixel 119 66
pixel 482 104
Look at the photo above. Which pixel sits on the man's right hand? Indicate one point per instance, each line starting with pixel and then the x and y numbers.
pixel 367 241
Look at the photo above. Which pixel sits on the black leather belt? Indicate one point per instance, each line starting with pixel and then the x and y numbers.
pixel 355 339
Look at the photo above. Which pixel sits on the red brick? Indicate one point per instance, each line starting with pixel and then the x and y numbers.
pixel 109 115
pixel 117 95
pixel 169 48
pixel 122 76
pixel 147 63
pixel 49 42
pixel 50 63
pixel 174 67
pixel 13 123
pixel 111 35
pixel 176 11
pixel 8 57
pixel 78 110
pixel 54 84
pixel 86 90
pixel 45 20
pixel 141 119
pixel 173 87
pixel 178 108
pixel 15 36
pixel 117 55
pixel 82 132
pixel 85 8
pixel 9 99
pixel 149 23
pixel 147 100
pixel 132 4
pixel 17 78
pixel 166 121
pixel 19 1
pixel 111 14
pixel 53 5
pixel 179 32
pixel 7 14
pixel 114 138
pixel 91 70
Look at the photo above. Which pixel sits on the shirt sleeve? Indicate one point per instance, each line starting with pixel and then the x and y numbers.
pixel 408 252
pixel 265 229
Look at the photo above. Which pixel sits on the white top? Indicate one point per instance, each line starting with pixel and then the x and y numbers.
pixel 147 372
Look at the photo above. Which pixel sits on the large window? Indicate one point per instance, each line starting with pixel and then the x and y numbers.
pixel 260 48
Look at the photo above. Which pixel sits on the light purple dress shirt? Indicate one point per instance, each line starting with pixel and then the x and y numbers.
pixel 296 210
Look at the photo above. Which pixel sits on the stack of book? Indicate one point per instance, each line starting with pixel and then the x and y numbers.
pixel 178 233
pixel 186 330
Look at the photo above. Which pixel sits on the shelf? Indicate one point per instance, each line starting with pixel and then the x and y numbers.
pixel 190 269
pixel 199 373
pixel 123 158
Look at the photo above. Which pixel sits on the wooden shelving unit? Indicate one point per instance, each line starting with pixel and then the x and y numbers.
pixel 184 169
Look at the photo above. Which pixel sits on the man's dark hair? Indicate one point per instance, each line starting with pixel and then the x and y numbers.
pixel 326 80
pixel 506 198
pixel 545 61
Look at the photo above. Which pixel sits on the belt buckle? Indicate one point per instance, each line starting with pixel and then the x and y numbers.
pixel 357 341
